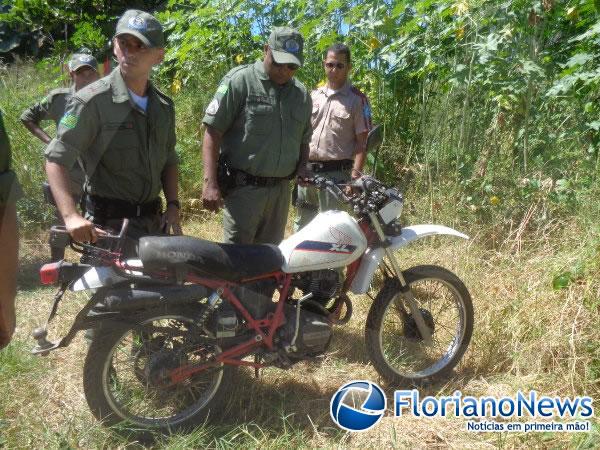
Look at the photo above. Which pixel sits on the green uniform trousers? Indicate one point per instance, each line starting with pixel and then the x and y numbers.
pixel 311 200
pixel 256 215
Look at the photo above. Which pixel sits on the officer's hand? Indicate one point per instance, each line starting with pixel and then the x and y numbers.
pixel 82 230
pixel 302 174
pixel 211 197
pixel 171 221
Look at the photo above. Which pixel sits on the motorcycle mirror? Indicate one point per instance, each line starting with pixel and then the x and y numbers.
pixel 375 137
pixel 374 140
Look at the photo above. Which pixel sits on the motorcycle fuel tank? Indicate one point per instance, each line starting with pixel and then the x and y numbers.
pixel 332 239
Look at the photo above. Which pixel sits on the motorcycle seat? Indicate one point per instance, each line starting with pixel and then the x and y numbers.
pixel 231 262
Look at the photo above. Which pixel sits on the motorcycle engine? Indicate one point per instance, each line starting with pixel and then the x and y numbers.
pixel 313 333
pixel 324 284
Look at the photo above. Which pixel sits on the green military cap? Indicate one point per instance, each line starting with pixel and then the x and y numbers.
pixel 286 44
pixel 82 59
pixel 143 26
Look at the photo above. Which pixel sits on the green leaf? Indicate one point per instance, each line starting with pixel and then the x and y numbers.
pixel 561 281
pixel 578 59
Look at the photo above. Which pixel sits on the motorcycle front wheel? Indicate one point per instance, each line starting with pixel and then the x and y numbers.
pixel 126 372
pixel 394 343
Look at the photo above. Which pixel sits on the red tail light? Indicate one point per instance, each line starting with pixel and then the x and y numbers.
pixel 49 273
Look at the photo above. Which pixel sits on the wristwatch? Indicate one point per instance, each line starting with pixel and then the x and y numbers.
pixel 175 203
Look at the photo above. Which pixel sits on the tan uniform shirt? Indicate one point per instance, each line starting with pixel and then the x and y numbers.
pixel 336 120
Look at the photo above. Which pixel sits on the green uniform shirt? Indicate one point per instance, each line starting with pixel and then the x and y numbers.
pixel 124 150
pixel 263 124
pixel 51 107
pixel 10 189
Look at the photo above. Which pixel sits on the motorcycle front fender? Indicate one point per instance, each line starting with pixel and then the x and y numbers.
pixel 373 256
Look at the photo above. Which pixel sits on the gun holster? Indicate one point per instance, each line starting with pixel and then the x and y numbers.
pixel 225 177
pixel 48 197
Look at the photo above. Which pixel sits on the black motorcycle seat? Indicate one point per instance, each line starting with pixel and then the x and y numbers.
pixel 231 262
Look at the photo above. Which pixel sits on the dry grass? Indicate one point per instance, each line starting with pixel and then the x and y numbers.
pixel 527 336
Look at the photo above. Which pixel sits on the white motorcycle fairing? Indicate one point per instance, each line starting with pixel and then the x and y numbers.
pixel 97 277
pixel 372 257
pixel 332 239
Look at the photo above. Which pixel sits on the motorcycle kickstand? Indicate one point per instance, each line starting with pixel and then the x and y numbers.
pixel 257 369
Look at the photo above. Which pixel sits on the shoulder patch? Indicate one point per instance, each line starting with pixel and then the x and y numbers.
pixel 213 107
pixel 69 121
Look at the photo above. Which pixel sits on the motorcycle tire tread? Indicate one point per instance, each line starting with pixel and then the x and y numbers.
pixel 376 315
pixel 104 340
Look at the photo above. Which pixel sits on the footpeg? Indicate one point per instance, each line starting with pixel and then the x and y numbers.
pixel 43 346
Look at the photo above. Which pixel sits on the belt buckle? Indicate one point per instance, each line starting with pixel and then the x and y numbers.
pixel 316 166
pixel 241 179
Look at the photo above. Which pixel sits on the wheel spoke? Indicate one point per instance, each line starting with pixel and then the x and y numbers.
pixel 139 362
pixel 402 348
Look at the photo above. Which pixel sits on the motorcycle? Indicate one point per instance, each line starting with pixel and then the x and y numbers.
pixel 171 325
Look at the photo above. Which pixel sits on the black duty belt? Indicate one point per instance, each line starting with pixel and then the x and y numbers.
pixel 330 166
pixel 103 208
pixel 242 178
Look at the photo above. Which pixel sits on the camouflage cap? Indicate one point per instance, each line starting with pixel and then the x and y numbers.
pixel 286 44
pixel 143 26
pixel 82 59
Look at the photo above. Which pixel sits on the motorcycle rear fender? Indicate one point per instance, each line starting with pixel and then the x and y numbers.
pixel 103 276
pixel 373 256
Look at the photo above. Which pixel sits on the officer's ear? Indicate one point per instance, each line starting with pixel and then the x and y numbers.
pixel 159 55
pixel 265 51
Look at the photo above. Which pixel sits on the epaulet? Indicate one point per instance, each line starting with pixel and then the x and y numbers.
pixel 88 92
pixel 300 85
pixel 59 91
pixel 235 70
pixel 164 97
pixel 358 92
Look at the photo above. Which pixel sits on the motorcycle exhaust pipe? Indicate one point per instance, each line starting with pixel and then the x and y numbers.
pixel 127 299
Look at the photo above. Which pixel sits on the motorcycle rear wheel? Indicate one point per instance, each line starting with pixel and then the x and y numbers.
pixel 124 373
pixel 394 344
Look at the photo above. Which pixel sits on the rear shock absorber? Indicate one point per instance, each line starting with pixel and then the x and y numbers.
pixel 225 320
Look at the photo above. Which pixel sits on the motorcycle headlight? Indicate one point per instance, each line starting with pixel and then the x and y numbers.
pixel 392 209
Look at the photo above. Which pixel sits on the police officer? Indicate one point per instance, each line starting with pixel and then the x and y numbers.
pixel 123 129
pixel 10 192
pixel 341 120
pixel 83 71
pixel 259 118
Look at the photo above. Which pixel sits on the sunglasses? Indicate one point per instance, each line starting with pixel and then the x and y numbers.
pixel 338 66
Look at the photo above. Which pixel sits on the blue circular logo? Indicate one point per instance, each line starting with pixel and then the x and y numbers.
pixel 137 23
pixel 291 45
pixel 358 405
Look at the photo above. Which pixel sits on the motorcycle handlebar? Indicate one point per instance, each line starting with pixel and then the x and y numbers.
pixel 324 183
